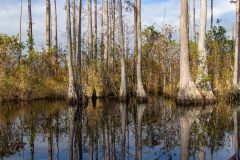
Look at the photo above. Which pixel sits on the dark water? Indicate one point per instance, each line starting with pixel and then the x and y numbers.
pixel 110 130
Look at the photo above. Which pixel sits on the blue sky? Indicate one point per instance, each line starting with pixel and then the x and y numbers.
pixel 156 12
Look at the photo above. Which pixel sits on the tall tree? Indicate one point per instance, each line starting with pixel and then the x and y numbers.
pixel 113 29
pixel 74 29
pixel 72 96
pixel 194 20
pixel 187 89
pixel 20 33
pixel 123 85
pixel 48 25
pixel 105 30
pixel 211 13
pixel 236 73
pixel 202 81
pixel 90 33
pixel 135 26
pixel 79 34
pixel 30 30
pixel 140 90
pixel 95 29
pixel 56 29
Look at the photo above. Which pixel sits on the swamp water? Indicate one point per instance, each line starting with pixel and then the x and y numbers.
pixel 111 130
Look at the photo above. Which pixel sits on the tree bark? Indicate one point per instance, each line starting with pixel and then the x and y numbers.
pixel 203 81
pixel 187 89
pixel 95 29
pixel 90 34
pixel 48 25
pixel 113 28
pixel 123 85
pixel 211 14
pixel 236 73
pixel 72 96
pixel 194 21
pixel 20 34
pixel 135 27
pixel 74 30
pixel 78 59
pixel 106 30
pixel 140 90
pixel 56 31
pixel 30 30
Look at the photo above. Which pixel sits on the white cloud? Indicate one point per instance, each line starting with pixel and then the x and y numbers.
pixel 153 12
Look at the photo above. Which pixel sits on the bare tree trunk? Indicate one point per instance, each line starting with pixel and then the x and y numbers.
pixel 102 33
pixel 95 29
pixel 78 59
pixel 194 21
pixel 236 73
pixel 30 30
pixel 187 89
pixel 140 90
pixel 113 28
pixel 90 35
pixel 211 14
pixel 202 81
pixel 106 30
pixel 135 27
pixel 72 96
pixel 74 30
pixel 56 31
pixel 20 34
pixel 48 25
pixel 123 85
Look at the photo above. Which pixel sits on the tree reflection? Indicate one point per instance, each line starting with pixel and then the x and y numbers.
pixel 139 116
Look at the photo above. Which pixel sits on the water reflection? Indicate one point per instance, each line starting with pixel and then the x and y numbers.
pixel 112 130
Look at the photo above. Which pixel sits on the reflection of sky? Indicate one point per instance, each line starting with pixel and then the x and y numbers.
pixel 165 130
pixel 149 152
pixel 157 12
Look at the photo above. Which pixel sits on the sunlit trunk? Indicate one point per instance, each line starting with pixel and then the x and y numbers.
pixel 202 83
pixel 140 90
pixel 123 84
pixel 72 96
pixel 187 88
